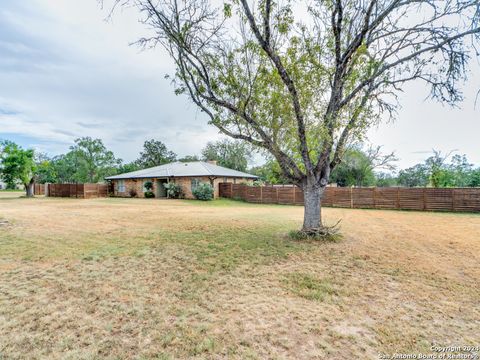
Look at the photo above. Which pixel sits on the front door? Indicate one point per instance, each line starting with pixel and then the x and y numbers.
pixel 161 191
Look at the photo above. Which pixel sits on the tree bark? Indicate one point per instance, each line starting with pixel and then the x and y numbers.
pixel 312 218
pixel 29 189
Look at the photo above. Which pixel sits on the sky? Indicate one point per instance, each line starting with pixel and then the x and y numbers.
pixel 66 72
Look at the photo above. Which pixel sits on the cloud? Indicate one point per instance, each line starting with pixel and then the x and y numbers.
pixel 69 74
pixel 65 72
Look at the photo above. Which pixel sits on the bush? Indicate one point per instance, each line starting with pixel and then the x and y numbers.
pixel 203 191
pixel 174 191
pixel 148 185
pixel 258 183
pixel 132 192
pixel 149 194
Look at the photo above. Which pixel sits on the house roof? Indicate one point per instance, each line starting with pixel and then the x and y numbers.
pixel 179 169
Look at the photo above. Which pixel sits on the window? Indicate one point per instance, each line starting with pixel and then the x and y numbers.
pixel 195 183
pixel 121 186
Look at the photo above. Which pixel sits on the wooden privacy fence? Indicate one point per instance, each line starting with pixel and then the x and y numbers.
pixel 447 199
pixel 83 191
pixel 39 189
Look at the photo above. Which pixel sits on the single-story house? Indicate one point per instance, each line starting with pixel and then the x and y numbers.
pixel 187 174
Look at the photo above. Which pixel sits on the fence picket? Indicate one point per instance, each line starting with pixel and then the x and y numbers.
pixel 458 199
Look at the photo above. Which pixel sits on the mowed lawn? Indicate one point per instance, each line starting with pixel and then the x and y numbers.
pixel 172 279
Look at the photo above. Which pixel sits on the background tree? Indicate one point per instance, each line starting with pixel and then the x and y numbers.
pixel 189 158
pixel 155 153
pixel 17 164
pixel 45 169
pixel 358 165
pixel 302 80
pixel 128 167
pixel 270 173
pixel 384 179
pixel 415 176
pixel 93 160
pixel 228 153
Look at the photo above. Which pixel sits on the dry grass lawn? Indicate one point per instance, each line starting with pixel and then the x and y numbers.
pixel 160 279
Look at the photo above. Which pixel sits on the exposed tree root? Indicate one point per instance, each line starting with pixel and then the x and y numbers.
pixel 324 233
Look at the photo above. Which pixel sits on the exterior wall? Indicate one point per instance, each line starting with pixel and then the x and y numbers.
pixel 136 184
pixel 184 182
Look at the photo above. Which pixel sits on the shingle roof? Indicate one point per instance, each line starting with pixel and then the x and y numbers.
pixel 178 169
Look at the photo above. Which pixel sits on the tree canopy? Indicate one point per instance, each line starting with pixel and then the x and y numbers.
pixel 228 153
pixel 302 80
pixel 17 165
pixel 155 153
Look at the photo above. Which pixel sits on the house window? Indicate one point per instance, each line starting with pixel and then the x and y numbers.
pixel 121 186
pixel 195 183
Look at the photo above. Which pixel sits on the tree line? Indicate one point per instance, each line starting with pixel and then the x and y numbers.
pixel 369 167
pixel 89 161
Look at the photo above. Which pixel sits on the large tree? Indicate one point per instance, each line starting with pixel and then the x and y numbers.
pixel 229 153
pixel 155 153
pixel 301 80
pixel 17 164
pixel 91 159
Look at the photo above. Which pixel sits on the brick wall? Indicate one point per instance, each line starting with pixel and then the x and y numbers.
pixel 136 184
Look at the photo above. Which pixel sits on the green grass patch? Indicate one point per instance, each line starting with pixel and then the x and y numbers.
pixel 310 287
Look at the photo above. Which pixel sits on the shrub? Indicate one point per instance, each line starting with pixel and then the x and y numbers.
pixel 174 191
pixel 148 185
pixel 132 192
pixel 149 194
pixel 258 183
pixel 203 191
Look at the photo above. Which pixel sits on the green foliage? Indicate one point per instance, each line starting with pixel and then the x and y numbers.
pixel 229 153
pixel 415 176
pixel 437 172
pixel 174 191
pixel 270 173
pixel 385 180
pixel 310 287
pixel 203 191
pixel 356 169
pixel 92 160
pixel 16 164
pixel 189 158
pixel 258 182
pixel 155 153
pixel 149 194
pixel 128 167
pixel 474 178
pixel 148 185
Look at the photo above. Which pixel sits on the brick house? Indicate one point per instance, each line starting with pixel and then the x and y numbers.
pixel 187 174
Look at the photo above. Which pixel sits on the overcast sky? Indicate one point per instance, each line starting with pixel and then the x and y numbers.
pixel 67 73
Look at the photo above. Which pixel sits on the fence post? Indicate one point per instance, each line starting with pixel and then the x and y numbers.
pixel 398 197
pixel 424 199
pixel 351 197
pixel 276 190
pixel 374 198
pixel 261 194
pixel 294 197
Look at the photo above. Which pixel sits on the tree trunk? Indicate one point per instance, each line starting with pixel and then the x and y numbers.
pixel 312 218
pixel 29 189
